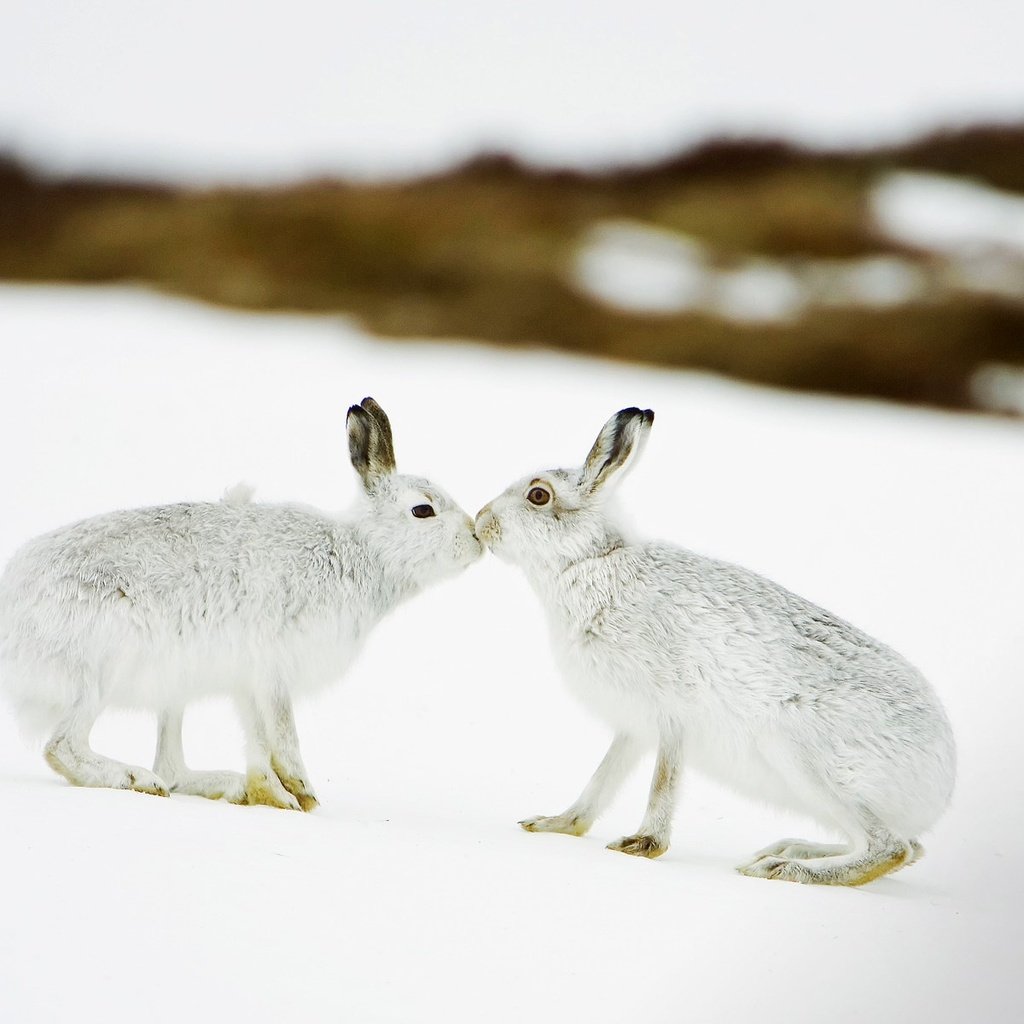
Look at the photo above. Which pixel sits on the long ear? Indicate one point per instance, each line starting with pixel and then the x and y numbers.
pixel 616 448
pixel 369 442
pixel 384 425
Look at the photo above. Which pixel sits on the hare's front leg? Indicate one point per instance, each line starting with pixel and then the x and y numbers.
pixel 170 765
pixel 68 753
pixel 622 755
pixel 275 775
pixel 652 838
pixel 285 757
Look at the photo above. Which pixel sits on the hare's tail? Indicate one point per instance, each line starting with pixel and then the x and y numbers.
pixel 238 494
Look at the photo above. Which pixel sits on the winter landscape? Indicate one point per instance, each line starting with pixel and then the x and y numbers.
pixel 411 894
pixel 219 229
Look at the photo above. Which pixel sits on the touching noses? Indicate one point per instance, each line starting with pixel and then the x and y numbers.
pixel 485 523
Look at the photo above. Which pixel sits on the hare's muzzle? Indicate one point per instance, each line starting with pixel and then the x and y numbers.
pixel 475 544
pixel 487 528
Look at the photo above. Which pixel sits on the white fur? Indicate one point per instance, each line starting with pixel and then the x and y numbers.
pixel 153 608
pixel 728 672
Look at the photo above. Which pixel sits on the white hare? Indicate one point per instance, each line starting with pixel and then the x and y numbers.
pixel 725 671
pixel 155 607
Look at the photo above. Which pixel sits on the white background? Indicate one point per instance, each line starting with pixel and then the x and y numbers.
pixel 212 89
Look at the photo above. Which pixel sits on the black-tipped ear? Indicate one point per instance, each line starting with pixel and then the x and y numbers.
pixel 369 442
pixel 617 446
pixel 380 417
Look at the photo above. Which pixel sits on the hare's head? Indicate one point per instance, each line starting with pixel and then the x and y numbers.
pixel 413 525
pixel 557 515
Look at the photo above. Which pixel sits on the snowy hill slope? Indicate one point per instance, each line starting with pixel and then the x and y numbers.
pixel 411 895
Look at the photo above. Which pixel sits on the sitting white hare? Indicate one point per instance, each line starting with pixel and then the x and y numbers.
pixel 726 671
pixel 156 607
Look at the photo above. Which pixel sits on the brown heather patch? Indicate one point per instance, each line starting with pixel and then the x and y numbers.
pixel 483 252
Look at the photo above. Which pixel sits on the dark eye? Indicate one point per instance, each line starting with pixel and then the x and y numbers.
pixel 423 511
pixel 538 496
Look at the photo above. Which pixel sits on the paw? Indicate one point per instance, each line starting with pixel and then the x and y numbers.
pixel 639 846
pixel 307 801
pixel 566 824
pixel 297 785
pixel 142 780
pixel 301 790
pixel 264 787
pixel 773 867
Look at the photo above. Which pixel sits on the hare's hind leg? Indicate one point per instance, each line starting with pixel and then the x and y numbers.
pixel 622 755
pixel 652 838
pixel 68 753
pixel 170 765
pixel 877 852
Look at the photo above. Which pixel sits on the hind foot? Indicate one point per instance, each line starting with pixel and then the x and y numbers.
pixel 639 846
pixel 845 869
pixel 142 780
pixel 796 849
pixel 230 786
pixel 264 787
pixel 92 770
pixel 566 824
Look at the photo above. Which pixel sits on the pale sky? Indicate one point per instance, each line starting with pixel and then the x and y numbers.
pixel 211 90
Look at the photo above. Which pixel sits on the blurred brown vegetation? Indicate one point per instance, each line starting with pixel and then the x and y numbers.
pixel 484 252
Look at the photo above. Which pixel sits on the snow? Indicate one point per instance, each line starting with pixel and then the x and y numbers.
pixel 971 239
pixel 638 267
pixel 975 237
pixel 948 215
pixel 411 895
pixel 999 387
pixel 879 281
pixel 759 290
pixel 646 269
pixel 203 90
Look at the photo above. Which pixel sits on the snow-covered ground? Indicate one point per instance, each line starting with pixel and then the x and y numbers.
pixel 411 895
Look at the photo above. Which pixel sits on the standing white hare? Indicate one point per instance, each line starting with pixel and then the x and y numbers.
pixel 726 671
pixel 153 608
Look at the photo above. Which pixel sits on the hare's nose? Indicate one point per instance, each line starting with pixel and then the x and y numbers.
pixel 486 524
